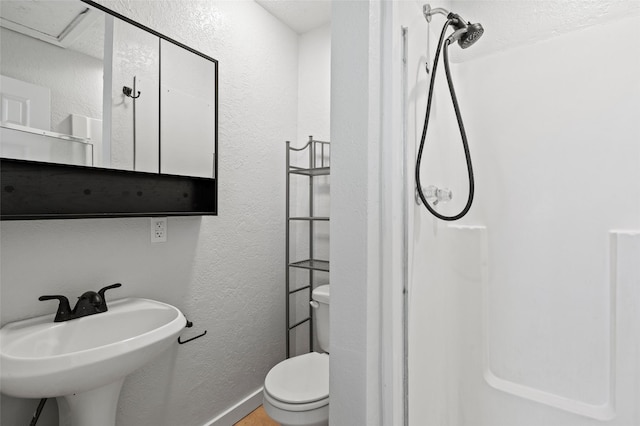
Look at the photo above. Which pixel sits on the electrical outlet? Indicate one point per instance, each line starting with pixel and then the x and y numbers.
pixel 158 229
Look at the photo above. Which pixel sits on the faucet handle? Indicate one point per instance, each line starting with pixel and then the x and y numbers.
pixel 101 293
pixel 64 309
pixel 103 289
pixel 62 299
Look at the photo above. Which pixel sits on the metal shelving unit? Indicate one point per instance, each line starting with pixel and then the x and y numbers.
pixel 318 165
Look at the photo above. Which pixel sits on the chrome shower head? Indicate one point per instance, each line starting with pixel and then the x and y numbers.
pixel 473 33
pixel 465 32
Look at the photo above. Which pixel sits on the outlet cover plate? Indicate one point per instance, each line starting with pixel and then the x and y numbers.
pixel 158 229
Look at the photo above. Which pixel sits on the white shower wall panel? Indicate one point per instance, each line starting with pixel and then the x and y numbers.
pixel 433 307
pixel 537 326
pixel 464 265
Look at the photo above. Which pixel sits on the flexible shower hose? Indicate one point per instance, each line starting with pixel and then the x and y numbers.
pixel 465 144
pixel 36 415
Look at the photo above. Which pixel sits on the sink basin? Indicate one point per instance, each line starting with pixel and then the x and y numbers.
pixel 42 359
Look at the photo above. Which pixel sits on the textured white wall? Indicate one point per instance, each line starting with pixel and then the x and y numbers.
pixel 550 125
pixel 314 84
pixel 225 272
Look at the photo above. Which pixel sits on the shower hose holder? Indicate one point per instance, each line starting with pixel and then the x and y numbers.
pixel 436 194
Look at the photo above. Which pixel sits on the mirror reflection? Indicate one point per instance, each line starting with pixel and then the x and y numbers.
pixel 79 86
pixel 51 74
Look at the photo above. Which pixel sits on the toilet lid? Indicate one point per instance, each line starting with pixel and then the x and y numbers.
pixel 299 380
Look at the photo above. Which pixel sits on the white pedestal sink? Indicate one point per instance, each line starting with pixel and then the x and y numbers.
pixel 83 362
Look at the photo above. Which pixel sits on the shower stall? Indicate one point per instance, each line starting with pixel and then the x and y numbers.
pixel 526 310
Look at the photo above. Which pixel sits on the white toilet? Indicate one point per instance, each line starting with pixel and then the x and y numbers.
pixel 296 391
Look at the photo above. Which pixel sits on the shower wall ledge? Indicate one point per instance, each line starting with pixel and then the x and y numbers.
pixel 598 412
pixel 622 346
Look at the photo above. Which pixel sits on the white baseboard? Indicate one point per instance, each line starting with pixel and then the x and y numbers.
pixel 238 411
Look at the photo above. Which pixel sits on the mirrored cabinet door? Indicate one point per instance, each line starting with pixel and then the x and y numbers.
pixel 133 64
pixel 187 111
pixel 51 82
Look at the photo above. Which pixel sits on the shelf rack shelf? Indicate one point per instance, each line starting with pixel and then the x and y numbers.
pixel 318 165
pixel 320 171
pixel 312 264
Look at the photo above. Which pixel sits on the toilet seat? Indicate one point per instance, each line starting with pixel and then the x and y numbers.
pixel 300 383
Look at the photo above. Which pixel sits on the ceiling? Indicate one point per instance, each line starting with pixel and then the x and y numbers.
pixel 67 24
pixel 299 15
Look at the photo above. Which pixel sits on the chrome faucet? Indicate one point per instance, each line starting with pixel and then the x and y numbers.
pixel 88 304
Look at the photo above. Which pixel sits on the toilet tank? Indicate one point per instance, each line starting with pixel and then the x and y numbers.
pixel 321 314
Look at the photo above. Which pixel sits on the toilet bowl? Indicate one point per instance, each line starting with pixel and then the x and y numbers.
pixel 296 391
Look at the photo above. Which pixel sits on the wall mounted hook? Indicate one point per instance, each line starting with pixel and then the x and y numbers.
pixel 128 91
